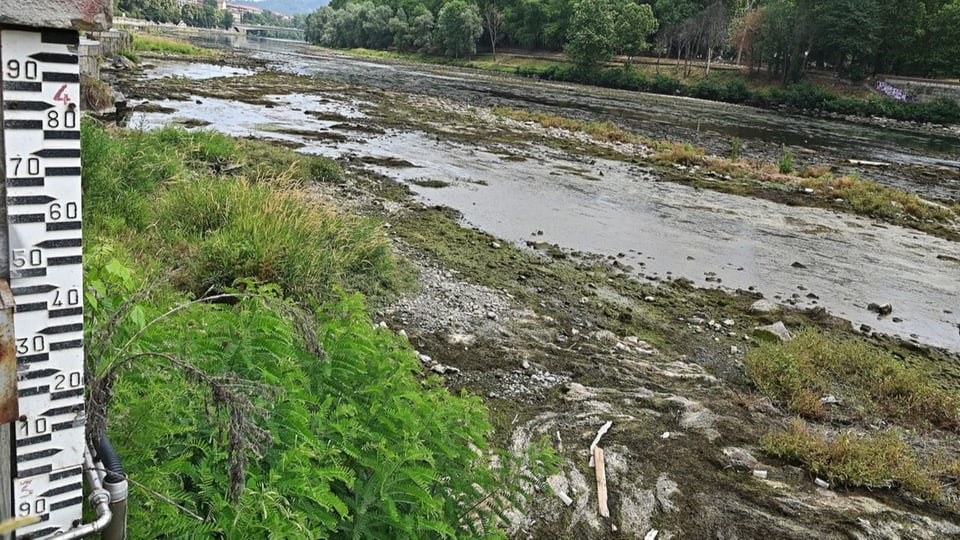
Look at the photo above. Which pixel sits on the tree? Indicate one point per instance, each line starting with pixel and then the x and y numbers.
pixel 849 30
pixel 422 25
pixel 458 27
pixel 635 24
pixel 591 38
pixel 493 19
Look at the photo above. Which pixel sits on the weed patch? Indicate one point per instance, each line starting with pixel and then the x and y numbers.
pixel 160 44
pixel 850 459
pixel 868 381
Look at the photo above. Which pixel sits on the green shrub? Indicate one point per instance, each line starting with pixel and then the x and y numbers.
pixel 785 163
pixel 736 91
pixel 708 88
pixel 256 419
pixel 664 84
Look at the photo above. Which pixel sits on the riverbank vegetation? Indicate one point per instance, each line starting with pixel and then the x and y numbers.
pixel 778 41
pixel 837 381
pixel 163 44
pixel 234 364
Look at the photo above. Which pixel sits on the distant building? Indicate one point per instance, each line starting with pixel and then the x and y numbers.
pixel 240 10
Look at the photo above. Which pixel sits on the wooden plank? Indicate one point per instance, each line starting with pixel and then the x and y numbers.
pixel 601 482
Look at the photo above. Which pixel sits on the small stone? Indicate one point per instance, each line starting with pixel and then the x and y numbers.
pixel 438 368
pixel 604 335
pixel 495 245
pixel 822 483
pixel 382 324
pixel 764 306
pixel 425 359
pixel 776 331
pixel 739 458
pixel 865 328
pixel 797 264
pixel 728 322
pixel 491 315
pixel 649 299
pixel 880 309
pixel 734 349
pixel 402 333
pixel 897 320
pixel 525 364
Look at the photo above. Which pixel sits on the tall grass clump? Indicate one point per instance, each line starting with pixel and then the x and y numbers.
pixel 164 187
pixel 160 44
pixel 679 153
pixel 236 229
pixel 785 163
pixel 869 381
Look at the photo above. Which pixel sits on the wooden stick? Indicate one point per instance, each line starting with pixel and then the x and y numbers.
pixel 601 482
pixel 596 440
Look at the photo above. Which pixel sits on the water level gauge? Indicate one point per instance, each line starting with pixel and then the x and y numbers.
pixel 41 133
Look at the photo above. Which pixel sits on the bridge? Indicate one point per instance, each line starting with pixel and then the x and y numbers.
pixel 261 30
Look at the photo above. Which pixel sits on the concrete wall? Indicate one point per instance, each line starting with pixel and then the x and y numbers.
pixel 926 90
pixel 95 46
pixel 78 15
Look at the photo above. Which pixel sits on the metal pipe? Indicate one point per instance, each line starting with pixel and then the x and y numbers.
pixel 99 499
pixel 116 486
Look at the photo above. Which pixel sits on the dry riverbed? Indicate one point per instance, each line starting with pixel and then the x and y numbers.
pixel 560 341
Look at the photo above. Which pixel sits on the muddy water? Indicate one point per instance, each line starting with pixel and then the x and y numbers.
pixel 806 256
pixel 709 124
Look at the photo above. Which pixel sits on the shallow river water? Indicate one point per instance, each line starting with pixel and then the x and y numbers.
pixel 812 257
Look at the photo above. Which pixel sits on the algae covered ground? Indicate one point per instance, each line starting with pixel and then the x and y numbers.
pixel 705 439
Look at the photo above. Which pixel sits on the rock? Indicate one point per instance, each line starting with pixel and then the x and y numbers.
pixel 491 315
pixel 577 392
pixel 495 245
pixel 880 309
pixel 665 489
pixel 739 459
pixel 764 306
pixel 649 299
pixel 425 359
pixel 461 339
pixel 525 365
pixel 776 331
pixel 402 333
pixel 728 322
pixel 604 335
pixel 438 368
pixel 797 264
pixel 734 349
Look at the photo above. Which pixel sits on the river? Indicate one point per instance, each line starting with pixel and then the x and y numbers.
pixel 804 256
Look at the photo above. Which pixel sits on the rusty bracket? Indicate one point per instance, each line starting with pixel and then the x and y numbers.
pixel 9 400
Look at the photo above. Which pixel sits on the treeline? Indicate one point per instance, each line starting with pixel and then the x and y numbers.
pixel 855 38
pixel 205 15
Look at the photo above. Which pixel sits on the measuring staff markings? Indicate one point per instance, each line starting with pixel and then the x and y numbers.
pixel 42 150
